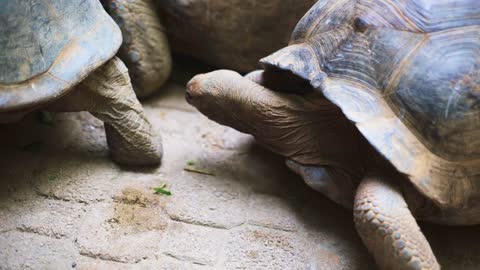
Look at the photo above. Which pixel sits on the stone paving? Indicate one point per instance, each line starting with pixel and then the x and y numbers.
pixel 65 205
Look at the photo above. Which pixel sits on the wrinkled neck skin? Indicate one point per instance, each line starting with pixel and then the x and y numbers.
pixel 312 131
pixel 306 128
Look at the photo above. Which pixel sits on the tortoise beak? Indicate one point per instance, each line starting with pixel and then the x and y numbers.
pixel 193 89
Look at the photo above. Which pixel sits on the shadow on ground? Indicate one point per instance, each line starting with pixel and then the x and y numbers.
pixel 64 204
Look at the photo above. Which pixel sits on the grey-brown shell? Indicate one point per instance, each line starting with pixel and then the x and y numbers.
pixel 407 72
pixel 47 46
pixel 230 33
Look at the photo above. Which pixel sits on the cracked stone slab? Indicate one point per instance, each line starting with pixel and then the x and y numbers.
pixel 195 244
pixel 122 232
pixel 273 212
pixel 8 219
pixel 267 173
pixel 215 200
pixel 52 218
pixel 139 210
pixel 251 247
pixel 331 239
pixel 160 263
pixel 56 180
pixel 22 250
pixel 171 121
pixel 336 248
pixel 208 201
pixel 199 130
pixel 74 178
pixel 78 133
pixel 16 183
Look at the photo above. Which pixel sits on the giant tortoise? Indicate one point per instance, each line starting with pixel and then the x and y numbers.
pixel 59 56
pixel 376 105
pixel 230 33
pixel 223 33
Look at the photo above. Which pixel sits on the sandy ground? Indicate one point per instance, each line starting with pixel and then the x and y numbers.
pixel 65 205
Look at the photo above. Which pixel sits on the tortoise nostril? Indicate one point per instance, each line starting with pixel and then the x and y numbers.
pixel 188 96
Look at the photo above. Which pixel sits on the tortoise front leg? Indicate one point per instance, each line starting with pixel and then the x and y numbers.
pixel 107 94
pixel 145 48
pixel 388 228
pixel 332 182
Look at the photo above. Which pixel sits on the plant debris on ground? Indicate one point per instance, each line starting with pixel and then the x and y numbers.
pixel 190 168
pixel 161 190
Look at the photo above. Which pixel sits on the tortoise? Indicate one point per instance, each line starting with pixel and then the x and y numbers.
pixel 60 56
pixel 216 32
pixel 376 104
pixel 145 49
pixel 230 33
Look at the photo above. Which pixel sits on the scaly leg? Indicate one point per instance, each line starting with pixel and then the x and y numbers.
pixel 388 228
pixel 107 93
pixel 145 48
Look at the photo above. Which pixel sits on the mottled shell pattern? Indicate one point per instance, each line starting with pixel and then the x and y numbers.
pixel 407 72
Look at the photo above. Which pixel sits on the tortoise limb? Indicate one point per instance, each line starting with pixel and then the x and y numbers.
pixel 334 183
pixel 388 228
pixel 108 95
pixel 145 49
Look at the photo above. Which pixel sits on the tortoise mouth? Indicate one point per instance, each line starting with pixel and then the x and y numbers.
pixel 193 90
pixel 188 97
pixel 286 81
pixel 300 61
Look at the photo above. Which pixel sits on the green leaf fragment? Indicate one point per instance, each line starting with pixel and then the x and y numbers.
pixel 190 163
pixel 161 190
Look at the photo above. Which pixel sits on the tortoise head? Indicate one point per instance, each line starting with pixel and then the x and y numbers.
pixel 244 103
pixel 304 127
pixel 222 96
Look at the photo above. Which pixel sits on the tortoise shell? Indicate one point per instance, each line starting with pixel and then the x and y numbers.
pixel 47 46
pixel 407 72
pixel 230 33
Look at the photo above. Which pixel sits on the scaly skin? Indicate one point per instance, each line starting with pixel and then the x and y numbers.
pixel 107 93
pixel 388 228
pixel 145 48
pixel 327 150
pixel 307 129
pixel 334 183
